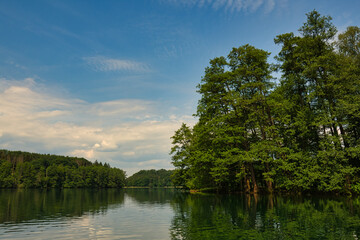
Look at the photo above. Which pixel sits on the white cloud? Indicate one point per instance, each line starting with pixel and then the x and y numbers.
pixel 89 154
pixel 150 162
pixel 269 6
pixel 121 107
pixel 103 64
pixel 121 132
pixel 228 5
pixel 128 153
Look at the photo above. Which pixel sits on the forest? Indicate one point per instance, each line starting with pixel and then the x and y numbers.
pixel 32 170
pixel 296 133
pixel 150 178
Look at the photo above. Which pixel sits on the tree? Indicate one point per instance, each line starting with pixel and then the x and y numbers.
pixel 31 170
pixel 150 178
pixel 301 134
pixel 349 42
pixel 234 120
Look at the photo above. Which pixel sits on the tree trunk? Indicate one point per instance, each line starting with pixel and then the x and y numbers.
pixel 269 182
pixel 247 184
pixel 253 179
pixel 343 135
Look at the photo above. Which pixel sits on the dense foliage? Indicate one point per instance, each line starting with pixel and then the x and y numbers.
pixel 150 178
pixel 31 170
pixel 298 133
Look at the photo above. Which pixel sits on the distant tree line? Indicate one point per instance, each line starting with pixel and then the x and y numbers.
pixel 150 178
pixel 32 170
pixel 299 133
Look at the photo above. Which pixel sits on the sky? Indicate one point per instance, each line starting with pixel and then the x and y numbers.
pixel 113 80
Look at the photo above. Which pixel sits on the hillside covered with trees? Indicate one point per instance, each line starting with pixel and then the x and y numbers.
pixel 32 170
pixel 150 178
pixel 299 133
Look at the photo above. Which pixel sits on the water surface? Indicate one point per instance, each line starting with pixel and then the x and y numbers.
pixel 171 214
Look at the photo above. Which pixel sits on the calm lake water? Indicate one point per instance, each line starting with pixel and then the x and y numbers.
pixel 170 214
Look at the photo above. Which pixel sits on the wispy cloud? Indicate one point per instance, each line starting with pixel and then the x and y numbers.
pixel 269 6
pixel 100 63
pixel 127 133
pixel 228 5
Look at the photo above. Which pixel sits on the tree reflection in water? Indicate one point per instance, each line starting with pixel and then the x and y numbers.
pixel 21 205
pixel 185 216
pixel 264 217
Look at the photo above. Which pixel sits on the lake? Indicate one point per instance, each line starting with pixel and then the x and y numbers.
pixel 172 214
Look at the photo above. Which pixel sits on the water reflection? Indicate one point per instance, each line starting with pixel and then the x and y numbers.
pixel 152 195
pixel 264 217
pixel 35 204
pixel 172 214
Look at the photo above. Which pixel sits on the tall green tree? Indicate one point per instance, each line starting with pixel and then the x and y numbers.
pixel 300 134
pixel 313 86
pixel 230 145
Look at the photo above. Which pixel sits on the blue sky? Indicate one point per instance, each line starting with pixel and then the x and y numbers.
pixel 113 80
